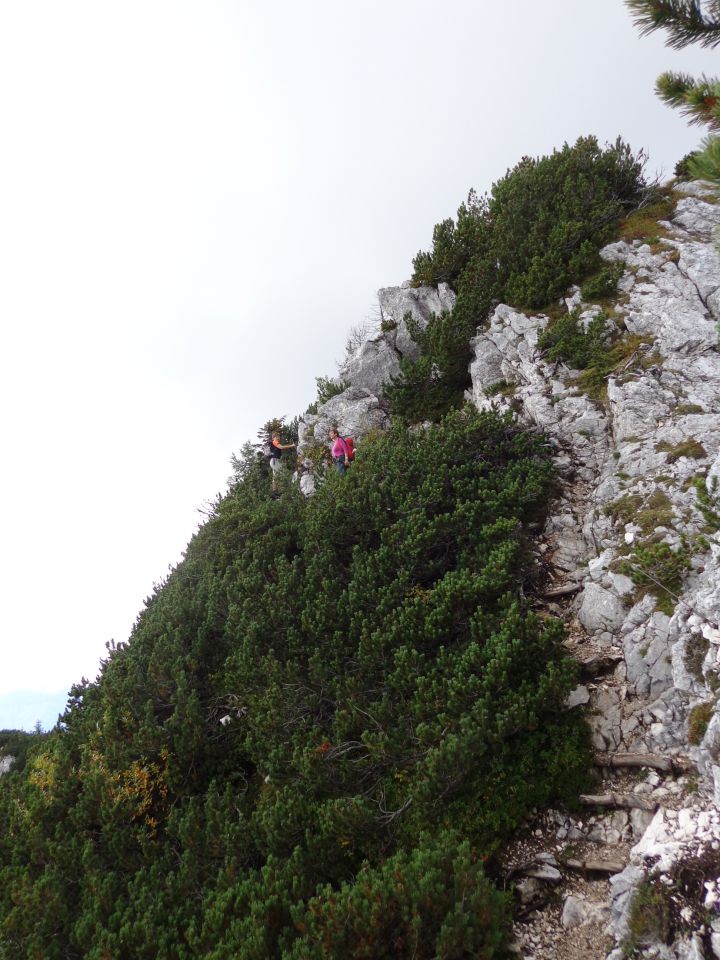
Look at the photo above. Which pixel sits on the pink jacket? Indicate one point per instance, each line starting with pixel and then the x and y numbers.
pixel 339 448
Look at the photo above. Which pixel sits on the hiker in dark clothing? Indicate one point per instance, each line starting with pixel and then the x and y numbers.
pixel 340 452
pixel 275 451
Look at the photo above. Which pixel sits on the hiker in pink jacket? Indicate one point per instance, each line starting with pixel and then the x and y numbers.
pixel 339 451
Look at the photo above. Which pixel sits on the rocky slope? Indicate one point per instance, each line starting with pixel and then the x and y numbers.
pixel 633 555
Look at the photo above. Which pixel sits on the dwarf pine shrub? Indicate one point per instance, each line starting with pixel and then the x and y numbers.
pixel 538 231
pixel 328 719
pixel 568 340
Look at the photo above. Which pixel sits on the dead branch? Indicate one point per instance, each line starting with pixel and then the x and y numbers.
pixel 564 591
pixel 674 765
pixel 623 801
pixel 593 866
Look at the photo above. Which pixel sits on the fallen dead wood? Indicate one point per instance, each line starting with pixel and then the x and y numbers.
pixel 654 761
pixel 624 801
pixel 564 591
pixel 593 866
pixel 537 869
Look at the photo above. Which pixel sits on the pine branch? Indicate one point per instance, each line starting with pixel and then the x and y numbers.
pixel 699 100
pixel 706 165
pixel 703 103
pixel 672 88
pixel 684 20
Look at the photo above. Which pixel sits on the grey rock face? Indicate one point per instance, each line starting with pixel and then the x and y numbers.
pixel 355 412
pixel 660 434
pixel 663 302
pixel 577 912
pixel 578 698
pixel 638 406
pixel 648 655
pixel 607 718
pixel 421 303
pixel 600 609
pixel 655 408
pixel 372 366
pixel 697 216
pixel 622 887
pixel 6 763
pixel 377 360
pixel 697 188
pixel 700 263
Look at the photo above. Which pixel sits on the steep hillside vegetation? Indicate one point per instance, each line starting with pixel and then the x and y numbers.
pixel 538 231
pixel 335 712
pixel 326 722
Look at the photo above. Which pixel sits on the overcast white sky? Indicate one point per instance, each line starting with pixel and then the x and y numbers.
pixel 197 201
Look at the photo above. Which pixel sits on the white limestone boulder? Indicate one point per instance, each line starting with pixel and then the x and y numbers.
pixel 599 609
pixel 373 365
pixel 355 412
pixel 696 216
pixel 421 303
pixel 578 912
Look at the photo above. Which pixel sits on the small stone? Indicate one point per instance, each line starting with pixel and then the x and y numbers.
pixel 578 698
pixel 577 912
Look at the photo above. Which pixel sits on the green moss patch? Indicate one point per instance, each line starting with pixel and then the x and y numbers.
pixel 691 448
pixel 501 388
pixel 650 918
pixel 663 912
pixel 696 648
pixel 686 409
pixel 698 720
pixel 649 513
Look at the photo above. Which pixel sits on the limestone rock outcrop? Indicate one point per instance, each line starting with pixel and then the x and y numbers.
pixel 637 466
pixel 421 303
pixel 375 362
pixel 640 464
pixel 355 412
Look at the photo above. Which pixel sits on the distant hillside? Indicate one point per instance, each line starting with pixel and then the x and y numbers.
pixel 24 709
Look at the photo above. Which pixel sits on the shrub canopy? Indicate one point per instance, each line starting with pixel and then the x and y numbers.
pixel 326 722
pixel 538 231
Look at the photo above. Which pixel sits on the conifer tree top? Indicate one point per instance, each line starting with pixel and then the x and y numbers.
pixel 686 21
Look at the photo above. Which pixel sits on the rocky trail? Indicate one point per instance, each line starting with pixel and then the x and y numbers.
pixel 561 868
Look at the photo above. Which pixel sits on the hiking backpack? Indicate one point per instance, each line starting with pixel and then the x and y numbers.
pixel 350 444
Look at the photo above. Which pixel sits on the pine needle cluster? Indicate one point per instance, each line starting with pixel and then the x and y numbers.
pixel 697 98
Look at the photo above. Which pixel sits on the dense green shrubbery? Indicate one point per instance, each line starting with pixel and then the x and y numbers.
pixel 328 719
pixel 658 569
pixel 603 284
pixel 682 167
pixel 568 340
pixel 434 383
pixel 538 231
